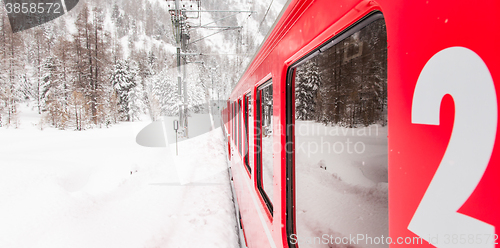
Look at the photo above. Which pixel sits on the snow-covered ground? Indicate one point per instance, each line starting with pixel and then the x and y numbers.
pixel 98 188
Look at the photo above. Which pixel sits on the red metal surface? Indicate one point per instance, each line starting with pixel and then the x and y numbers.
pixel 416 31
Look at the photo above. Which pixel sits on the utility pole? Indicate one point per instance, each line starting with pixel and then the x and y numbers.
pixel 180 11
pixel 179 17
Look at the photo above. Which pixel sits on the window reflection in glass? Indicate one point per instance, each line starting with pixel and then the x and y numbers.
pixel 265 143
pixel 238 109
pixel 248 122
pixel 235 138
pixel 341 181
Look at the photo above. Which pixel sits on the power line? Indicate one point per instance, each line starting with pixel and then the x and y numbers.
pixel 267 11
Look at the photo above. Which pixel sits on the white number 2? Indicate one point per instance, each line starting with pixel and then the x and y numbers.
pixel 461 73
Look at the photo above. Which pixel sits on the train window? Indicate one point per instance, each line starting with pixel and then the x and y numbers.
pixel 248 120
pixel 264 168
pixel 337 104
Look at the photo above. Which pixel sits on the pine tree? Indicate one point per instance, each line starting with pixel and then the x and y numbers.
pixel 12 66
pixel 101 55
pixel 38 39
pixel 65 55
pixel 3 64
pixel 164 92
pixel 77 103
pixel 306 87
pixel 123 80
pixel 54 93
pixel 135 102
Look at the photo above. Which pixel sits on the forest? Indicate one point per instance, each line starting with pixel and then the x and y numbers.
pixel 73 71
pixel 111 61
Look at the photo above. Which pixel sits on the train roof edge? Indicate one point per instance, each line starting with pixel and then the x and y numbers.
pixel 271 30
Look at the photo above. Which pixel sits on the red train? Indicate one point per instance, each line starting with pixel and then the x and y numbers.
pixel 366 123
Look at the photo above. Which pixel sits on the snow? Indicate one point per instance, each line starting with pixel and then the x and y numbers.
pixel 98 188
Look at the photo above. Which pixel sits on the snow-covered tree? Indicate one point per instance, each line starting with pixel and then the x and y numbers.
pixel 123 81
pixel 54 93
pixel 11 66
pixel 164 91
pixel 48 81
pixel 307 84
pixel 135 102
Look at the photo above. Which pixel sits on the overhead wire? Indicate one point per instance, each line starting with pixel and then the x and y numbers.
pixel 265 15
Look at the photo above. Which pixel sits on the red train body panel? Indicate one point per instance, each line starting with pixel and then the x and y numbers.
pixel 424 38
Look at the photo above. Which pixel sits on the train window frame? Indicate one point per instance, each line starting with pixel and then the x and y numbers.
pixel 258 143
pixel 290 116
pixel 233 123
pixel 238 105
pixel 227 127
pixel 236 126
pixel 246 140
pixel 231 118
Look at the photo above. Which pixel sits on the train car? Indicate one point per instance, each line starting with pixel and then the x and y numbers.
pixel 365 123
